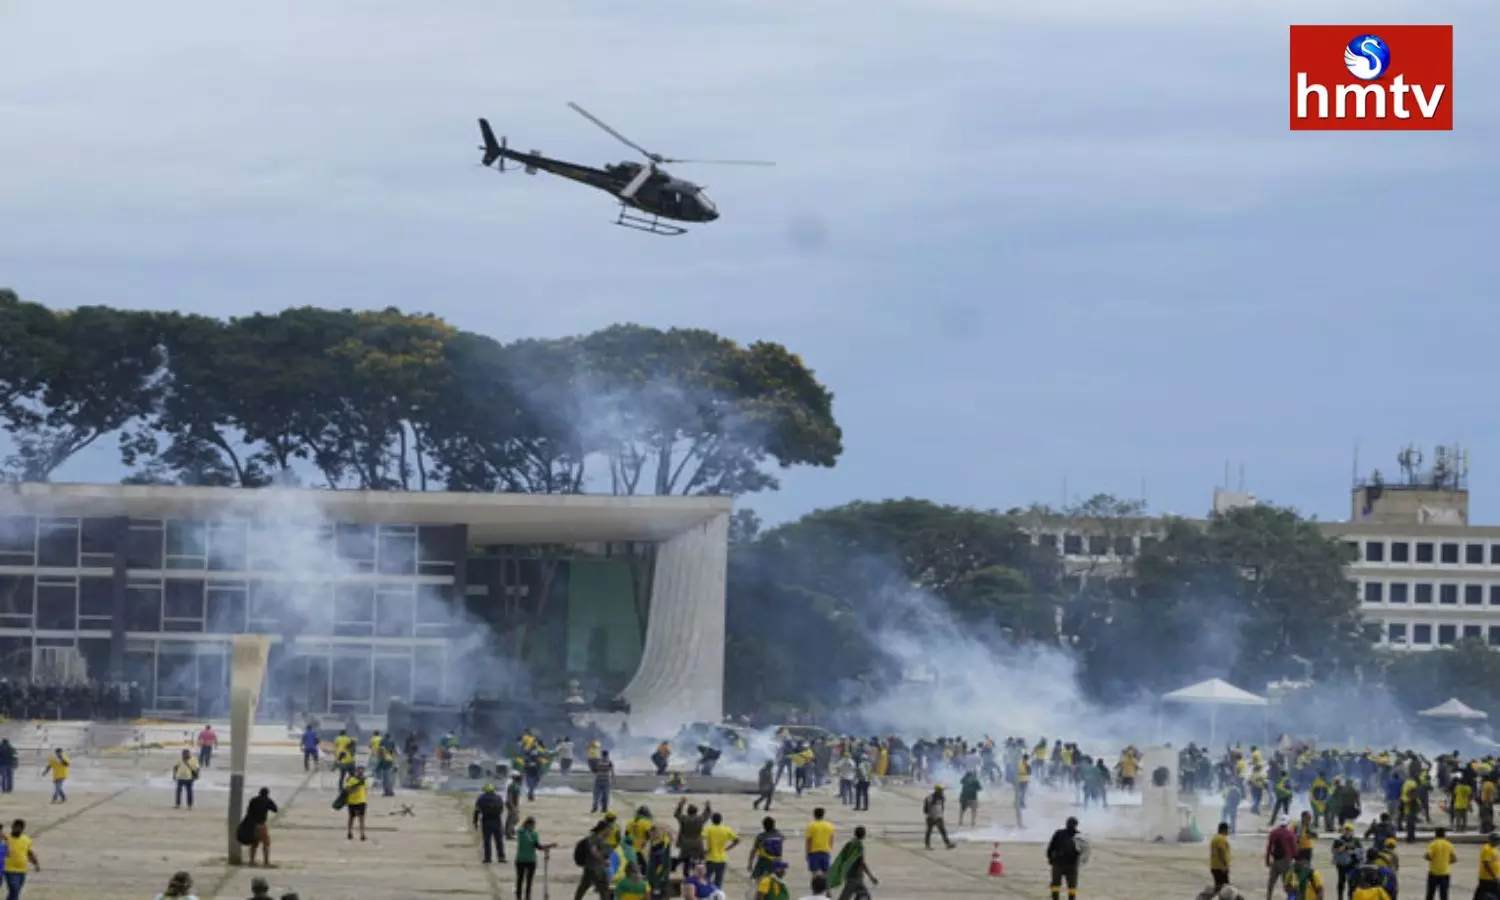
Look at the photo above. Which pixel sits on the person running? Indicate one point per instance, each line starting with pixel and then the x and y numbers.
pixel 489 818
pixel 1219 856
pixel 58 767
pixel 1440 859
pixel 851 868
pixel 184 774
pixel 968 798
pixel 1281 849
pixel 528 843
pixel 820 833
pixel 356 795
pixel 20 858
pixel 255 830
pixel 766 785
pixel 718 840
pixel 1063 857
pixel 592 856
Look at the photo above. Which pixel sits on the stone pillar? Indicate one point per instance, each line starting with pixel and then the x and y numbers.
pixel 247 675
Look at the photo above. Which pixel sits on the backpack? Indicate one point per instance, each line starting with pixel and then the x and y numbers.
pixel 581 853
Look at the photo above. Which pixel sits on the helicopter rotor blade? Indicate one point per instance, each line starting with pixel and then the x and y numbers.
pixel 718 162
pixel 654 157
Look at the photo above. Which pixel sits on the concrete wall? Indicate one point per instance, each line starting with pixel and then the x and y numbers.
pixel 681 678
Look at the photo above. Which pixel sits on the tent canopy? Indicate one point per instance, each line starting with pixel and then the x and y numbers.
pixel 1453 709
pixel 1215 692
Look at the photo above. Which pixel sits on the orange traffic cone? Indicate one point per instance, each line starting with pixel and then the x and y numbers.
pixel 997 868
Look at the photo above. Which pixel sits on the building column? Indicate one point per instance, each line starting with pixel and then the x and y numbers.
pixel 118 585
pixel 681 676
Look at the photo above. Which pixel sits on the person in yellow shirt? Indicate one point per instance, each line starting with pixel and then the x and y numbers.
pixel 718 840
pixel 58 766
pixel 773 886
pixel 638 831
pixel 1218 856
pixel 1463 792
pixel 1307 837
pixel 1489 867
pixel 819 843
pixel 356 795
pixel 1440 859
pixel 19 858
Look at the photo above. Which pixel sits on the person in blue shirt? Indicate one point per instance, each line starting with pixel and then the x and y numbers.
pixel 309 748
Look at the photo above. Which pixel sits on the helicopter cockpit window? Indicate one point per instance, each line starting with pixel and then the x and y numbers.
pixel 706 203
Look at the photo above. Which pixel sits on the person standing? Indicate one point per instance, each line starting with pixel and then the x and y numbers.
pixel 512 806
pixel 862 774
pixel 968 798
pixel 309 748
pixel 184 773
pixel 820 833
pixel 207 741
pixel 1063 857
pixel 1347 853
pixel 356 796
pixel 766 783
pixel 690 825
pixel 8 760
pixel 255 830
pixel 592 855
pixel 564 751
pixel 850 868
pixel 20 858
pixel 766 852
pixel 58 767
pixel 1440 859
pixel 718 840
pixel 1489 868
pixel 1219 856
pixel 528 843
pixel 932 810
pixel 604 776
pixel 489 818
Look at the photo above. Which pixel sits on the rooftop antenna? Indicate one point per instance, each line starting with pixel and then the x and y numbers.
pixel 1356 461
pixel 1242 478
pixel 1226 474
pixel 1410 461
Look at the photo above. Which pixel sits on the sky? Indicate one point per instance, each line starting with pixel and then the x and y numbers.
pixel 1038 249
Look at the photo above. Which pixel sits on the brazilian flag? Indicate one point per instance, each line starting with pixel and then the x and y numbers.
pixel 843 864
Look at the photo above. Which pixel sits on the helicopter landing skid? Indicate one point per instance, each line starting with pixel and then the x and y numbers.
pixel 650 225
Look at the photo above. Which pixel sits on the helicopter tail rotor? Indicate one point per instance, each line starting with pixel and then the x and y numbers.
pixel 493 149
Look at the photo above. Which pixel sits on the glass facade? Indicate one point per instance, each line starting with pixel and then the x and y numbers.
pixel 361 612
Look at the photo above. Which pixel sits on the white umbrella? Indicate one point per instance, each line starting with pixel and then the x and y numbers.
pixel 1213 693
pixel 1453 709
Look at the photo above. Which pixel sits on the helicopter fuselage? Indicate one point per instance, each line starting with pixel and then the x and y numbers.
pixel 661 194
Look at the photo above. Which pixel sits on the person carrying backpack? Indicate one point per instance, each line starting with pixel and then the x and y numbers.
pixel 489 818
pixel 1063 856
pixel 932 811
pixel 591 854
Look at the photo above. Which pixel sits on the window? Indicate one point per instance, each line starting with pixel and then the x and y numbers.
pixel 228 546
pixel 1124 547
pixel 1046 542
pixel 1374 592
pixel 143 547
pixel 57 603
pixel 1353 547
pixel 1395 633
pixel 17 541
pixel 1447 635
pixel 1495 554
pixel 397 550
pixel 1424 592
pixel 1495 595
pixel 1424 552
pixel 96 602
pixel 1400 551
pixel 17 593
pixel 57 543
pixel 1374 551
pixel 1450 554
pixel 1397 592
pixel 267 603
pixel 1421 634
pixel 1072 544
pixel 1448 593
pixel 354 610
pixel 143 606
pixel 187 544
pixel 356 544
pixel 182 606
pixel 1472 631
pixel 1149 540
pixel 226 604
pixel 395 610
pixel 1474 554
pixel 97 540
pixel 1098 545
pixel 1495 635
pixel 1473 595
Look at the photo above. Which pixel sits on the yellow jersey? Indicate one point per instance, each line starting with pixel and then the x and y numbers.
pixel 1462 793
pixel 58 766
pixel 1370 893
pixel 639 832
pixel 1023 770
pixel 820 836
pixel 18 854
pixel 1218 853
pixel 1440 857
pixel 716 841
pixel 342 743
pixel 771 888
pixel 1489 863
pixel 356 791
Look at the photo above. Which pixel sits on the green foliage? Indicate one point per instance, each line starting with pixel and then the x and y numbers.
pixel 1468 671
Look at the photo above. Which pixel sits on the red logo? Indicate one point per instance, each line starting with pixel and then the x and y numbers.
pixel 1372 78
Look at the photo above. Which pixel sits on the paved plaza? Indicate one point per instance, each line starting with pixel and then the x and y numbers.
pixel 118 836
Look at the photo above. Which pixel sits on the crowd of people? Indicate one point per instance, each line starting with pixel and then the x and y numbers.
pixel 88 700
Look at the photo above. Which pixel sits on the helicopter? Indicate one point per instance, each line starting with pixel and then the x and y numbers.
pixel 647 193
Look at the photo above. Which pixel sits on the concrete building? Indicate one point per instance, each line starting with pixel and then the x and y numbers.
pixel 1423 573
pixel 367 595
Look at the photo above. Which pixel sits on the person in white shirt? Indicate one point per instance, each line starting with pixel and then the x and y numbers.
pixel 184 773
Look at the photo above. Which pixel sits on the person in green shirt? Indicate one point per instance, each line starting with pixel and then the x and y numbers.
pixel 968 798
pixel 632 886
pixel 528 842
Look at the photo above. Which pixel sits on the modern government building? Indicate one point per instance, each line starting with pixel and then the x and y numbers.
pixel 367 595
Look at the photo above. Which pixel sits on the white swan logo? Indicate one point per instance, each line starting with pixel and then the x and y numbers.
pixel 1367 57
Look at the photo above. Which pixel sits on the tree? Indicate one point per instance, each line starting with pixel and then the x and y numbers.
pixel 1255 590
pixel 1469 671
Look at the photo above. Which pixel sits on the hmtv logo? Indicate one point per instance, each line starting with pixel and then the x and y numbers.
pixel 1372 78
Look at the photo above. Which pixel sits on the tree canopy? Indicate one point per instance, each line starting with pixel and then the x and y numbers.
pixel 392 400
